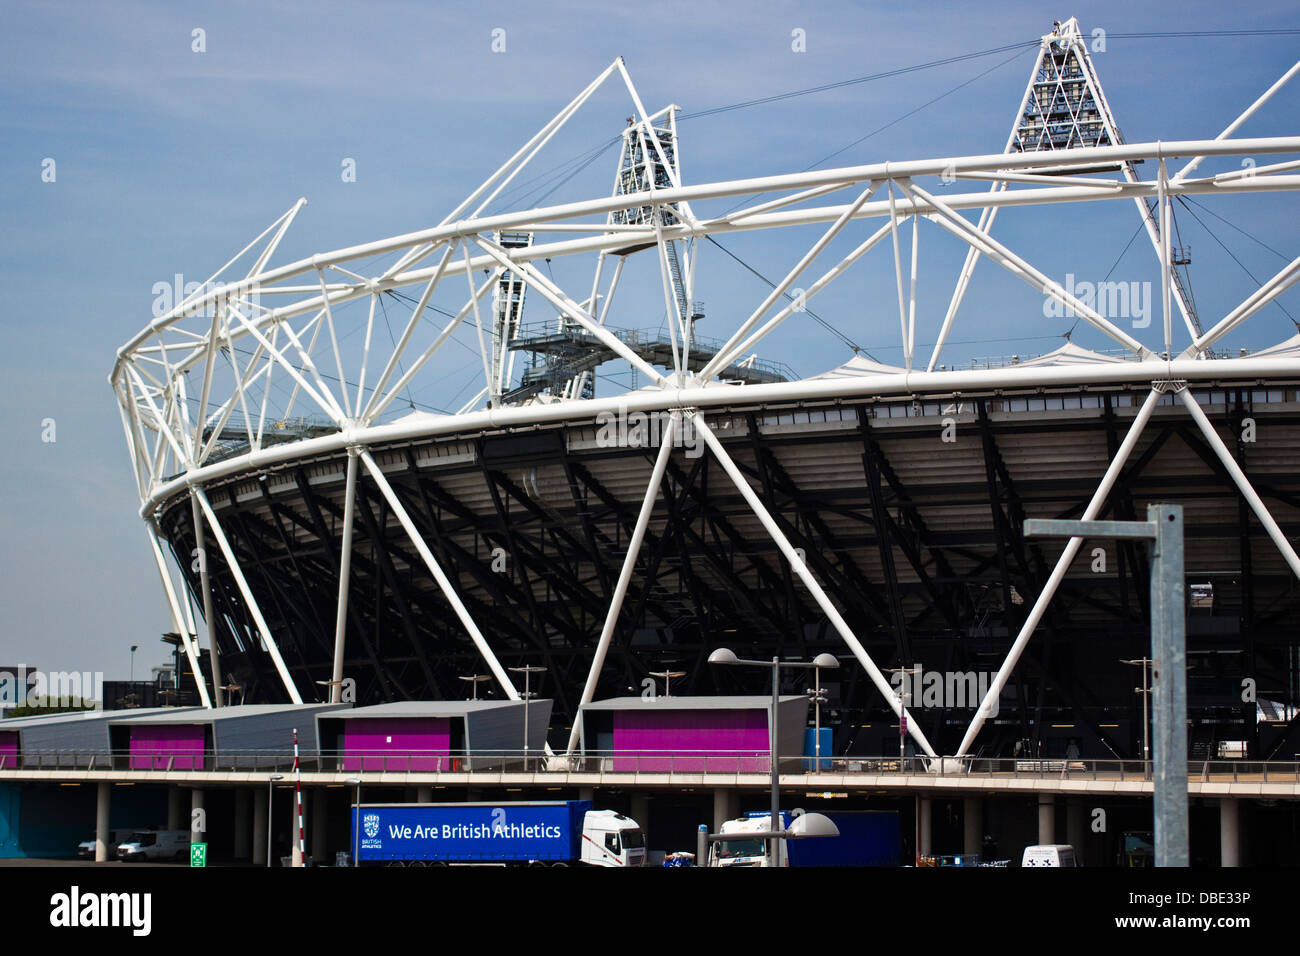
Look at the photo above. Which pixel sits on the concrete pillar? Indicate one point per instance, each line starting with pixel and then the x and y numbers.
pixel 1229 832
pixel 1046 819
pixel 724 807
pixel 173 808
pixel 103 795
pixel 259 828
pixel 586 793
pixel 317 824
pixel 641 812
pixel 424 794
pixel 1076 826
pixel 197 819
pixel 972 815
pixel 243 836
pixel 927 818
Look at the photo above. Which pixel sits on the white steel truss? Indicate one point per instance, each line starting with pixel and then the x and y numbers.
pixel 267 341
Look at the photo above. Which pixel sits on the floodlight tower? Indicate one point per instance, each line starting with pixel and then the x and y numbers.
pixel 507 314
pixel 1065 107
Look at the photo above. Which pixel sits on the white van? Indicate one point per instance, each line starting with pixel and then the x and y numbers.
pixel 155 845
pixel 1049 855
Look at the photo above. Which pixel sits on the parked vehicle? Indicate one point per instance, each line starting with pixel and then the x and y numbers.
pixel 867 838
pixel 1048 855
pixel 86 849
pixel 155 845
pixel 554 833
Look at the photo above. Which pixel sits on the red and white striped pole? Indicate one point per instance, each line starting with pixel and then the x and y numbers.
pixel 299 846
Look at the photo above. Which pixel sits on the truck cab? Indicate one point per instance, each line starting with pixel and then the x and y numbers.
pixel 155 845
pixel 611 839
pixel 1048 855
pixel 742 848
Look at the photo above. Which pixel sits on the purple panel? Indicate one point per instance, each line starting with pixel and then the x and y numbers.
pixel 159 746
pixel 691 740
pixel 8 748
pixel 397 743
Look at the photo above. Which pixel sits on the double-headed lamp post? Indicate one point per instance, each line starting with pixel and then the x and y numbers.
pixel 725 655
pixel 528 670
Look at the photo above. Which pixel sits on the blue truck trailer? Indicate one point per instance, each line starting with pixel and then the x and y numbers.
pixel 556 833
pixel 867 838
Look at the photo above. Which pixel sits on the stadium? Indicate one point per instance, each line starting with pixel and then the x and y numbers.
pixel 329 543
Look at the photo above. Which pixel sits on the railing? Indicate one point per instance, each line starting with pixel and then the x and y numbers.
pixel 642 762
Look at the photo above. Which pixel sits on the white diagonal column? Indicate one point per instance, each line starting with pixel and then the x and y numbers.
pixel 228 553
pixel 988 705
pixel 200 545
pixel 819 595
pixel 1241 481
pixel 345 576
pixel 625 575
pixel 177 617
pixel 444 583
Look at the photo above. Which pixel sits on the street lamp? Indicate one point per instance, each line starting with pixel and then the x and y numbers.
pixel 818 697
pixel 273 778
pixel 668 677
pixel 528 670
pixel 475 680
pixel 134 647
pixel 356 820
pixel 725 655
pixel 903 689
pixel 1145 690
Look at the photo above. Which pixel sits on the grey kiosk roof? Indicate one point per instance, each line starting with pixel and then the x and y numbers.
pixel 491 726
pixel 248 726
pixel 84 731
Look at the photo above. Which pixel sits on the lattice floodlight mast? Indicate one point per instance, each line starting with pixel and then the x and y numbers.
pixel 258 347
pixel 507 315
pixel 1064 107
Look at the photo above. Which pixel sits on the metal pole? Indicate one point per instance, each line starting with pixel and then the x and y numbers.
pixel 1146 716
pixel 270 785
pixel 1169 652
pixel 299 852
pixel 774 822
pixel 817 719
pixel 356 827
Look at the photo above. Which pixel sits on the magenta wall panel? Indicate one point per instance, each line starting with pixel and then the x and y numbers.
pixel 9 748
pixel 397 743
pixel 641 736
pixel 157 746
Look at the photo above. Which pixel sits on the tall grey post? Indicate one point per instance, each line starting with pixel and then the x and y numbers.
pixel 1169 690
pixel 1164 527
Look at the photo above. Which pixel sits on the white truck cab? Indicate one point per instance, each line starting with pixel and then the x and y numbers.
pixel 1049 855
pixel 611 839
pixel 155 845
pixel 745 849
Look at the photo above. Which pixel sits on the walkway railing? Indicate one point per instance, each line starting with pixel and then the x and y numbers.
pixel 642 762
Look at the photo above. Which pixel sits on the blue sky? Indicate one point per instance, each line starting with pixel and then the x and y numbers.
pixel 169 160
